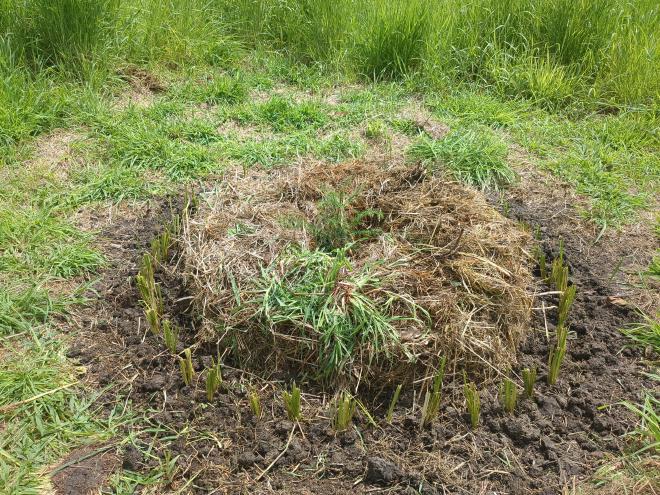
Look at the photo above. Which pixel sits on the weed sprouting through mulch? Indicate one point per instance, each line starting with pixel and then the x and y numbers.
pixel 356 272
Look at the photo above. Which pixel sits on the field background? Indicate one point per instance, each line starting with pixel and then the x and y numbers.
pixel 572 83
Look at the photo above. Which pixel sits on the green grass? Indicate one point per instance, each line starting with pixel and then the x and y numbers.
pixel 645 333
pixel 475 156
pixel 283 115
pixel 304 297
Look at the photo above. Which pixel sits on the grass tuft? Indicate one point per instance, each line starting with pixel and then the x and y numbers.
pixel 475 157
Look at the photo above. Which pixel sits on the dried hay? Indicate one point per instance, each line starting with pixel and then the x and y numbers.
pixel 440 245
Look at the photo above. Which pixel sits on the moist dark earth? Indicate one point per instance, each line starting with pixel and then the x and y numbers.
pixel 553 441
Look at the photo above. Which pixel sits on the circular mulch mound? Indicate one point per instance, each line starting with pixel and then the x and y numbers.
pixel 356 273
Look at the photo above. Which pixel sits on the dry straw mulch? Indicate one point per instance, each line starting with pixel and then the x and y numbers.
pixel 440 245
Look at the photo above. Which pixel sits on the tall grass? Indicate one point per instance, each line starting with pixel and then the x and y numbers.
pixel 550 50
pixel 553 52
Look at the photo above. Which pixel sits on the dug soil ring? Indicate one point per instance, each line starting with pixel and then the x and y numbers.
pixel 356 271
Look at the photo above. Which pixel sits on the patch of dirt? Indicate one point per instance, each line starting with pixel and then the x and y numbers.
pixel 52 158
pixel 144 86
pixel 616 257
pixel 551 442
pixel 84 471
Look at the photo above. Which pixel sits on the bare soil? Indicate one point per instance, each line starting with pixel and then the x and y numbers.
pixel 551 442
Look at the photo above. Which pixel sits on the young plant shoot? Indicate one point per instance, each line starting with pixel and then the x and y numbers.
pixel 187 370
pixel 431 405
pixel 292 403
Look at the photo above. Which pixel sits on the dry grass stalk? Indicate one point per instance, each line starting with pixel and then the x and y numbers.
pixel 442 249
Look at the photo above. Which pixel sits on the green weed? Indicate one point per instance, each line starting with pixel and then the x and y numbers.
pixel 337 225
pixel 393 46
pixel 645 334
pixel 283 115
pixel 474 157
pixel 307 292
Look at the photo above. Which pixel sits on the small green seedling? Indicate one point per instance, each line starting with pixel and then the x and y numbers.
pixel 213 379
pixel 556 356
pixel 170 335
pixel 395 399
pixel 255 404
pixel 508 395
pixel 529 379
pixel 345 411
pixel 187 371
pixel 432 399
pixel 473 403
pixel 292 403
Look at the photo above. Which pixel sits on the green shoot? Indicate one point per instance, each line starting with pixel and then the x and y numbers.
pixel 255 404
pixel 169 465
pixel 153 320
pixel 473 403
pixel 150 292
pixel 559 275
pixel 541 260
pixel 160 246
pixel 213 379
pixel 345 410
pixel 292 403
pixel 395 399
pixel 529 379
pixel 170 335
pixel 556 355
pixel 432 399
pixel 508 395
pixel 187 371
pixel 565 301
